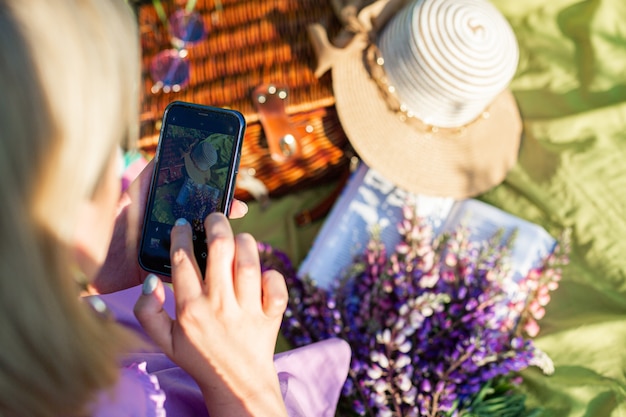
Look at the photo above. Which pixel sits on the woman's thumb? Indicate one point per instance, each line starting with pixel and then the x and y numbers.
pixel 150 313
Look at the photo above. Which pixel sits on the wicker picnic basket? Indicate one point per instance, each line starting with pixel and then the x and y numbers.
pixel 250 43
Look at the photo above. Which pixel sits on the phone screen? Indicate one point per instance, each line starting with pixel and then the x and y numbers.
pixel 196 164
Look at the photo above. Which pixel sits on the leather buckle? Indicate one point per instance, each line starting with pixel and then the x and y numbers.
pixel 283 139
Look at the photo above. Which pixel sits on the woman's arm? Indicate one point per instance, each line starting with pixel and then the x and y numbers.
pixel 121 268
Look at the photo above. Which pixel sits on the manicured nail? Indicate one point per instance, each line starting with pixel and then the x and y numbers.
pixel 150 284
pixel 181 222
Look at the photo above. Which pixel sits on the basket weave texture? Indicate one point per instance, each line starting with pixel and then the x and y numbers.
pixel 248 43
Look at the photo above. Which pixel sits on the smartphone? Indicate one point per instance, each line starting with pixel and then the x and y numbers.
pixel 196 163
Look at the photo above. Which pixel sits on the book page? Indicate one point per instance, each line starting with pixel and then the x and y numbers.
pixel 531 245
pixel 368 204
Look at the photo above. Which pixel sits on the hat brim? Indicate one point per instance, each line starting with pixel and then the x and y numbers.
pixel 198 176
pixel 450 163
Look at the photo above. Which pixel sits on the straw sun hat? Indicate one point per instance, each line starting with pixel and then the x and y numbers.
pixel 421 92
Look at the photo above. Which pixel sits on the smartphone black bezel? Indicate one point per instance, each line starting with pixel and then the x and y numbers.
pixel 195 116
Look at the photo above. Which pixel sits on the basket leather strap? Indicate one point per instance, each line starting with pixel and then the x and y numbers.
pixel 283 139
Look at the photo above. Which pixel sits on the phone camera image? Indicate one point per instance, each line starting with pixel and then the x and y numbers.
pixel 194 176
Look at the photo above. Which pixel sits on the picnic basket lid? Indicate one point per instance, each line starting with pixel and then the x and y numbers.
pixel 248 43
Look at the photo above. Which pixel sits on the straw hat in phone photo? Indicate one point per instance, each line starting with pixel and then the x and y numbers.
pixel 421 90
pixel 200 160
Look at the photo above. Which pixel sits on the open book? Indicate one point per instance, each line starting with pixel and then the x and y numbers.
pixel 370 202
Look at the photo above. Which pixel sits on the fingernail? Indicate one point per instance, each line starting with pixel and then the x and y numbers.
pixel 150 284
pixel 181 222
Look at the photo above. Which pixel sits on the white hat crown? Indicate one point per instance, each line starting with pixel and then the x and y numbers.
pixel 448 59
pixel 204 155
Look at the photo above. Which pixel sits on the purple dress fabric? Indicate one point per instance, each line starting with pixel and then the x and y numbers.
pixel 151 385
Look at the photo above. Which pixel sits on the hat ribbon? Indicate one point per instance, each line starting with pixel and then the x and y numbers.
pixel 358 32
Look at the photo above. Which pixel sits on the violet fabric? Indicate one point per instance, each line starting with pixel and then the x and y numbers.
pixel 151 385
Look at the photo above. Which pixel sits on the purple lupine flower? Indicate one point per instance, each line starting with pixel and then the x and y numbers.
pixel 429 323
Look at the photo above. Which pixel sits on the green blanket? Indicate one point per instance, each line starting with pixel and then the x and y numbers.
pixel 571 89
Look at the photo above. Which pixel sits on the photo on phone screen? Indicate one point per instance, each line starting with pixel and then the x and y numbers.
pixel 196 165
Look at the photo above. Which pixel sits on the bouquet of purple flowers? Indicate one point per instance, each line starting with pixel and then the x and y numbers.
pixel 437 325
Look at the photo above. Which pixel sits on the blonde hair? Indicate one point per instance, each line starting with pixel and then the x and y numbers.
pixel 70 74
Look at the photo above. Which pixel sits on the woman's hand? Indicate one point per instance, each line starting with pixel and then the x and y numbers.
pixel 226 324
pixel 121 268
